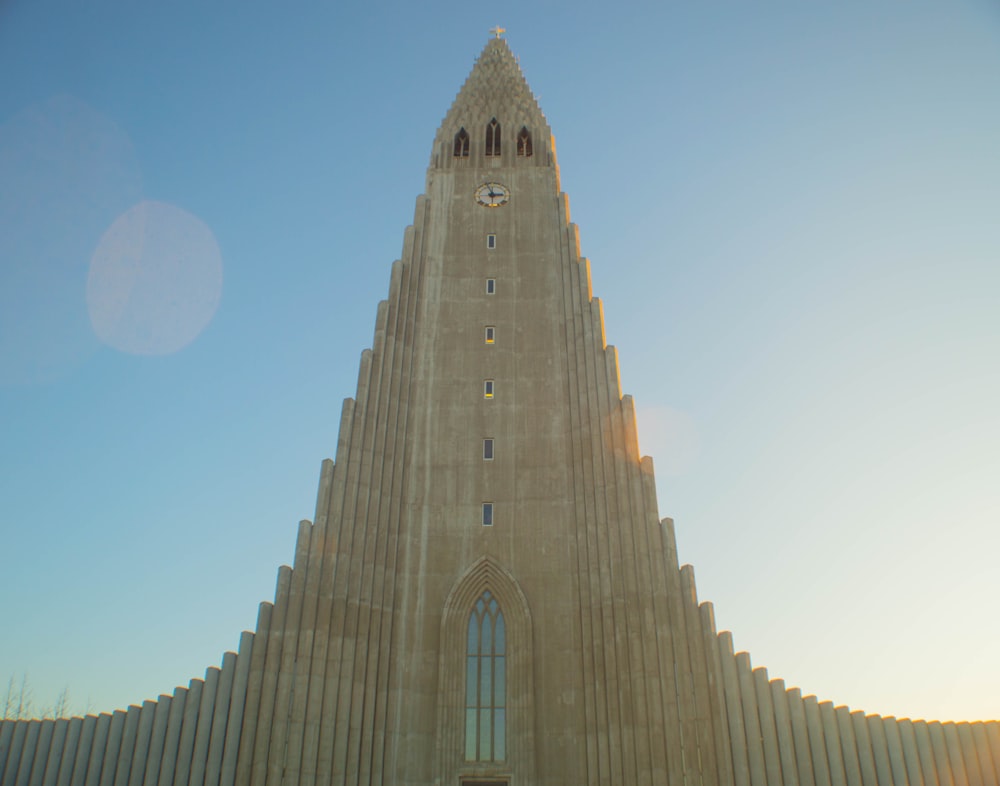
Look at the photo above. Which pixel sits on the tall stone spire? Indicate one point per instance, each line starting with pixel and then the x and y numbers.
pixel 495 81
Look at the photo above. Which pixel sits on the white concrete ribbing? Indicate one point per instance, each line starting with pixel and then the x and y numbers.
pixel 19 733
pixel 783 729
pixel 831 737
pixel 643 501
pixel 969 756
pixel 880 749
pixel 234 721
pixel 203 732
pixel 706 741
pixel 157 738
pixel 54 754
pixel 609 667
pixel 108 763
pixel 621 509
pixel 27 757
pixel 269 680
pixel 734 711
pixel 955 757
pixel 189 730
pixel 751 721
pixel 79 744
pixel 326 533
pixel 172 737
pixel 941 757
pixel 278 735
pixel 768 726
pixel 800 737
pixel 377 588
pixel 41 754
pixel 589 623
pixel 866 757
pixel 76 751
pixel 925 751
pixel 248 733
pixel 98 747
pixel 910 754
pixel 382 512
pixel 848 746
pixel 993 742
pixel 144 728
pixel 406 282
pixel 6 735
pixel 817 742
pixel 127 747
pixel 220 717
pixel 724 761
pixel 896 755
pixel 982 744
pixel 593 570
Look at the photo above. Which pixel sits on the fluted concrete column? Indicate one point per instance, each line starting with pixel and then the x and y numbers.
pixel 78 775
pixel 96 760
pixel 955 757
pixel 834 755
pixel 113 752
pixel 768 727
pixel 986 765
pixel 880 749
pixel 817 742
pixel 896 755
pixel 866 758
pixel 783 726
pixel 925 752
pixel 734 711
pixel 751 721
pixel 54 755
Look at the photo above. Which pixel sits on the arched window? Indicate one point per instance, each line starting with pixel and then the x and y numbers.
pixel 486 682
pixel 461 144
pixel 524 142
pixel 493 138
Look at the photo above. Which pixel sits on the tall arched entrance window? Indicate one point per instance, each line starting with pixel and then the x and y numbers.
pixel 486 682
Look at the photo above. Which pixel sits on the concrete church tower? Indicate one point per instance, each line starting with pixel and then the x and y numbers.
pixel 487 590
pixel 487 595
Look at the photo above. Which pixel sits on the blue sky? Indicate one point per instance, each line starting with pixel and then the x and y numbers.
pixel 791 212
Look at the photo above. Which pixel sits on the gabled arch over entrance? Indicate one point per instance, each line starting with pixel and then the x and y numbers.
pixel 486 575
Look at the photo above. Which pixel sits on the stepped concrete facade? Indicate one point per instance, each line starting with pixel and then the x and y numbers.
pixel 487 595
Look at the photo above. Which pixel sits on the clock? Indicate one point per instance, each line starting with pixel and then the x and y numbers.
pixel 492 195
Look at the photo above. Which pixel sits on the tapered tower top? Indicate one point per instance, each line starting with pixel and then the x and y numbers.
pixel 495 90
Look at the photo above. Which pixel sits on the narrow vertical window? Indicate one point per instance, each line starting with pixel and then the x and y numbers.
pixel 488 449
pixel 493 138
pixel 524 142
pixel 487 514
pixel 487 388
pixel 491 334
pixel 491 286
pixel 462 144
pixel 486 682
pixel 491 241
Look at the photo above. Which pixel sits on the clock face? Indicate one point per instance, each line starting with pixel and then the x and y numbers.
pixel 492 195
